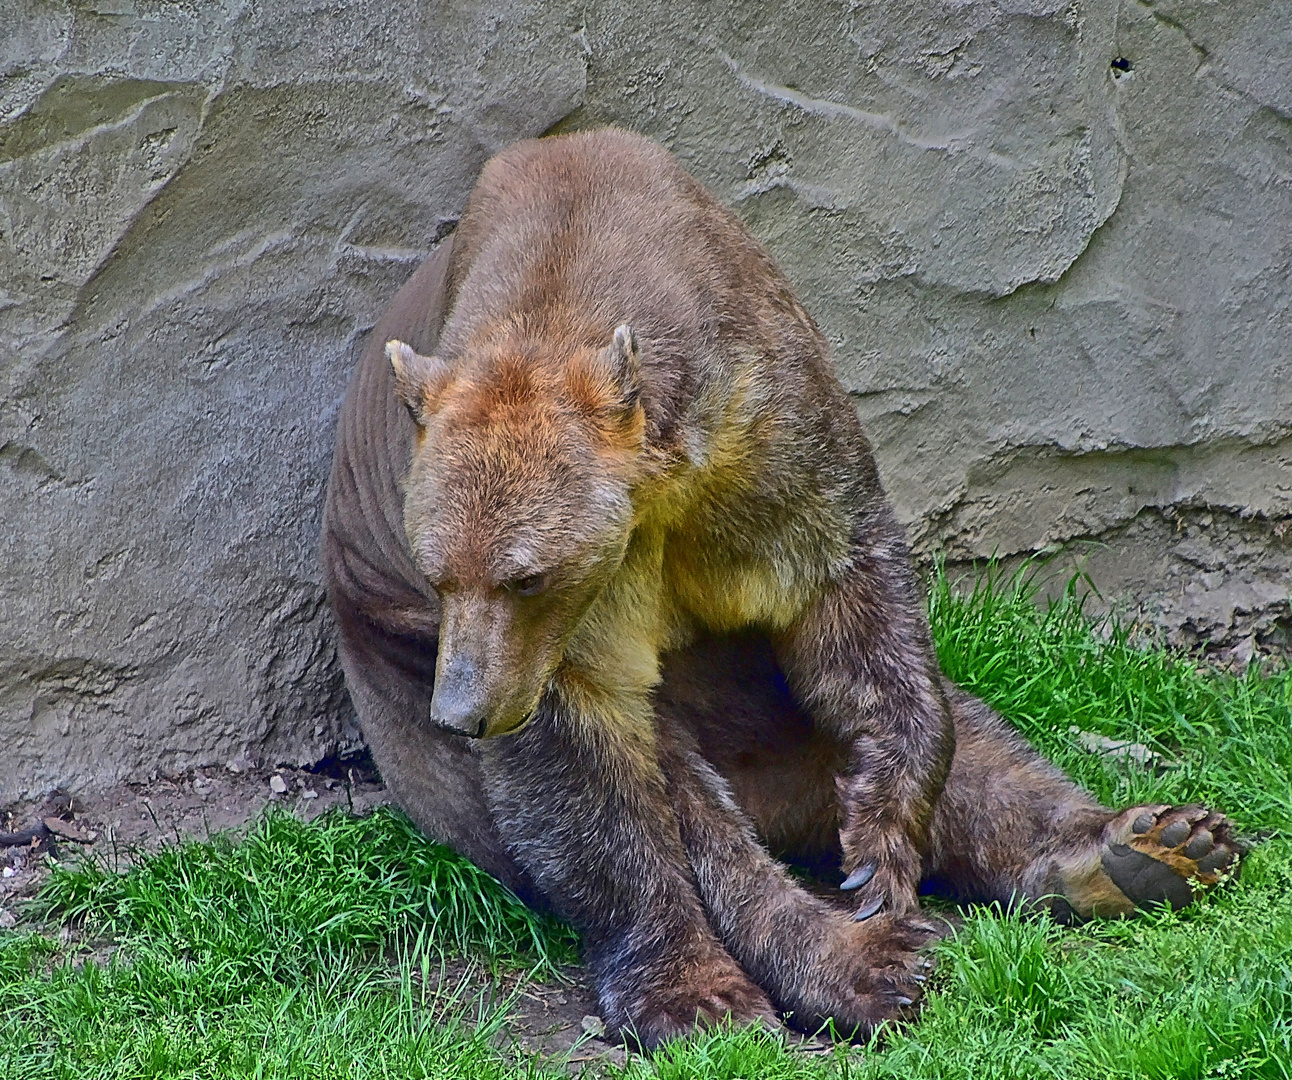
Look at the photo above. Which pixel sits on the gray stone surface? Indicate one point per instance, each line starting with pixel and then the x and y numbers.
pixel 1059 291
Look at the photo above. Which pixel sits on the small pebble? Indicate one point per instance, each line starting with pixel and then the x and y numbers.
pixel 309 793
pixel 594 1026
pixel 277 784
pixel 9 871
pixel 8 920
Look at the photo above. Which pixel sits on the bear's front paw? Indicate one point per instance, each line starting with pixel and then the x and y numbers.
pixel 698 995
pixel 872 971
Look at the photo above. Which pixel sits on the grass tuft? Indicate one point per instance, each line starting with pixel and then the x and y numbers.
pixel 1009 968
pixel 319 947
pixel 292 896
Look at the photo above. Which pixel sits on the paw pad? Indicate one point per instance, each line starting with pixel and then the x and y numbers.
pixel 1153 853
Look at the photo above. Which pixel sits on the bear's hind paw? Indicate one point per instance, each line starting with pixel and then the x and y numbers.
pixel 1158 854
pixel 699 999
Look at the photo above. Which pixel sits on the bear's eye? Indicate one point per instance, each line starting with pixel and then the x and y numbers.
pixel 526 586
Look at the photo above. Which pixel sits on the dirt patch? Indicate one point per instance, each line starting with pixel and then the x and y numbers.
pixel 143 817
pixel 556 1020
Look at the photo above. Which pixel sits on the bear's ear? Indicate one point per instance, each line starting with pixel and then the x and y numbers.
pixel 419 380
pixel 623 359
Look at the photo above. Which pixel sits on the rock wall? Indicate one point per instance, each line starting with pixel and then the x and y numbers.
pixel 1050 242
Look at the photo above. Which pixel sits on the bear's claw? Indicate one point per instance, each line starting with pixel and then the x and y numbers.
pixel 861 876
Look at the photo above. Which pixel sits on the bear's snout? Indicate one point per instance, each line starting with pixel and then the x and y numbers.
pixel 457 708
pixel 479 689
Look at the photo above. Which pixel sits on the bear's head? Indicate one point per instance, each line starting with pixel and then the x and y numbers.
pixel 518 509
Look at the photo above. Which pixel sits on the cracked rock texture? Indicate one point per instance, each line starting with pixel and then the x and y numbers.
pixel 1051 243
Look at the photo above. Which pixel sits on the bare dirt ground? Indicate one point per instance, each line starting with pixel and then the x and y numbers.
pixel 129 817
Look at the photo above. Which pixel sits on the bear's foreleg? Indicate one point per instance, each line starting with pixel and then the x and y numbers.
pixel 580 801
pixel 860 660
pixel 816 962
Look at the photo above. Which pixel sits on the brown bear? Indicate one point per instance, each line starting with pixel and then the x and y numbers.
pixel 627 619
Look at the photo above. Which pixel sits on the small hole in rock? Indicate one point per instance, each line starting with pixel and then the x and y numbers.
pixel 1121 66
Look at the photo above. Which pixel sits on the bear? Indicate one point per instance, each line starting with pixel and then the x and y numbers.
pixel 628 621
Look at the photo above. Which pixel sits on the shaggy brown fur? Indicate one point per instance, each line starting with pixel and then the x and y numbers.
pixel 608 499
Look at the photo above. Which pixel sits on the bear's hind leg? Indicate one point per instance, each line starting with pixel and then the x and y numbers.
pixel 1010 827
pixel 582 804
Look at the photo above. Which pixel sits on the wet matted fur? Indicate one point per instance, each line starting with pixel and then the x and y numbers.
pixel 599 497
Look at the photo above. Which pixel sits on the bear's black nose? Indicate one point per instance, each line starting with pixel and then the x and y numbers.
pixel 454 710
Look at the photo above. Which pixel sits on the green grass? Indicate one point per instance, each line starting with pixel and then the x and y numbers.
pixel 318 950
pixel 1225 740
pixel 291 897
pixel 303 949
